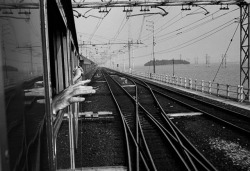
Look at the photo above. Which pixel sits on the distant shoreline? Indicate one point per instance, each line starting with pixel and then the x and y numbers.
pixel 166 62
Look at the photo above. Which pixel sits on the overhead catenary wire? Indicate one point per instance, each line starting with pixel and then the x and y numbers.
pixel 98 37
pixel 143 19
pixel 189 29
pixel 199 38
pixel 97 26
pixel 171 20
pixel 120 28
pixel 150 35
pixel 184 29
pixel 231 40
pixel 180 47
pixel 195 26
pixel 160 29
pixel 181 28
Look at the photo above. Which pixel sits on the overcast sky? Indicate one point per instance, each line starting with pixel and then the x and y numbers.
pixel 180 34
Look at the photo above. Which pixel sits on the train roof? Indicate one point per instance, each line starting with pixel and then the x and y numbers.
pixel 85 60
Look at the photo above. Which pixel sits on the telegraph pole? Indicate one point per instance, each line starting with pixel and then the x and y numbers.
pixel 173 66
pixel 224 60
pixel 129 44
pixel 207 61
pixel 154 46
pixel 123 63
pixel 81 46
pixel 152 26
pixel 129 56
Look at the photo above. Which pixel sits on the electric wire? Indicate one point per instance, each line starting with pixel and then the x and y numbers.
pixel 142 24
pixel 177 48
pixel 156 32
pixel 150 35
pixel 96 28
pixel 161 29
pixel 98 37
pixel 193 27
pixel 120 28
pixel 186 25
pixel 225 25
pixel 226 52
pixel 159 41
pixel 114 38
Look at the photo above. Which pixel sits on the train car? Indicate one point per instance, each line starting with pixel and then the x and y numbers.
pixel 87 65
pixel 38 53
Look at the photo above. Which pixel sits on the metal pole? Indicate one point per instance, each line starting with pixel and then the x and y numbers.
pixel 247 92
pixel 71 107
pixel 123 63
pixel 4 153
pixel 241 23
pixel 244 46
pixel 173 66
pixel 47 88
pixel 71 139
pixel 129 55
pixel 153 48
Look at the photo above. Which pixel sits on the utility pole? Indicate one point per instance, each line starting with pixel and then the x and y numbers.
pixel 207 61
pixel 129 56
pixel 154 48
pixel 133 61
pixel 173 66
pixel 81 41
pixel 123 63
pixel 152 26
pixel 224 60
pixel 31 62
pixel 129 44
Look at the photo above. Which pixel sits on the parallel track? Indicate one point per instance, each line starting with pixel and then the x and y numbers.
pixel 165 146
pixel 215 112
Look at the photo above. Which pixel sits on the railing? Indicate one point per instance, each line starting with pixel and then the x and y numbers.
pixel 223 90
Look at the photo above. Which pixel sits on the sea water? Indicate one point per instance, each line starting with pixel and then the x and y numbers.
pixel 225 75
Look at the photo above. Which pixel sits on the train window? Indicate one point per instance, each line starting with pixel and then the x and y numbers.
pixel 34 61
pixel 21 60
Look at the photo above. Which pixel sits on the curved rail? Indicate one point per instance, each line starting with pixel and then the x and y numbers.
pixel 125 129
pixel 177 145
pixel 128 131
pixel 218 108
pixel 211 115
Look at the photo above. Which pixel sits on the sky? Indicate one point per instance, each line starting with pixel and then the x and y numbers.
pixel 181 34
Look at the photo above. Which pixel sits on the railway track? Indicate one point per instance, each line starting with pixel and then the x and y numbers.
pixel 215 125
pixel 159 144
pixel 187 103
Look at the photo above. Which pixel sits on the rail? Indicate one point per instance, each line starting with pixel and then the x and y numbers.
pixel 223 90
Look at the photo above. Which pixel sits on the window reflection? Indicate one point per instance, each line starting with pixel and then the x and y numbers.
pixel 22 70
